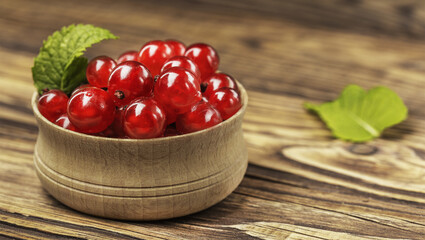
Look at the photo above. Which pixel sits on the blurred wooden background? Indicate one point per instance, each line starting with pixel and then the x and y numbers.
pixel 301 183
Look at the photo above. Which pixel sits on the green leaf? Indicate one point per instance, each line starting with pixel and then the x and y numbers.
pixel 60 64
pixel 359 115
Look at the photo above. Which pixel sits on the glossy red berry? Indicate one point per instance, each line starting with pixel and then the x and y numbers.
pixel 98 71
pixel 144 118
pixel 128 81
pixel 63 121
pixel 154 54
pixel 227 101
pixel 177 89
pixel 205 57
pixel 201 116
pixel 91 110
pixel 128 56
pixel 178 47
pixel 80 87
pixel 52 104
pixel 217 81
pixel 184 62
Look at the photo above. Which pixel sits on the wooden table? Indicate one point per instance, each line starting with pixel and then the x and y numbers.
pixel 301 182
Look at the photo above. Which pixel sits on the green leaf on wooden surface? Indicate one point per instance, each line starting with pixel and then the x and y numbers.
pixel 60 64
pixel 359 115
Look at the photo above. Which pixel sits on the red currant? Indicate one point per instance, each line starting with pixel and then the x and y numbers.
pixel 63 121
pixel 227 101
pixel 178 47
pixel 52 104
pixel 80 87
pixel 144 118
pixel 201 116
pixel 128 56
pixel 178 89
pixel 128 81
pixel 153 55
pixel 91 110
pixel 205 57
pixel 184 62
pixel 217 81
pixel 98 71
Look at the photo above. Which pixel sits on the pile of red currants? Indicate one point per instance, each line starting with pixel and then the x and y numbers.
pixel 165 89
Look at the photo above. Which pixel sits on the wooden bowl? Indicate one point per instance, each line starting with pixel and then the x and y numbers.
pixel 133 179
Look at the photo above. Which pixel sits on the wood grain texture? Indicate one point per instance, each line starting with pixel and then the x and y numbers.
pixel 301 183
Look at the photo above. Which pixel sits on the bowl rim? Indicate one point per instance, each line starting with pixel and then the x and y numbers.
pixel 241 111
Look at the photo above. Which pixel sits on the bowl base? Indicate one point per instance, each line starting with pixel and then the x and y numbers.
pixel 139 204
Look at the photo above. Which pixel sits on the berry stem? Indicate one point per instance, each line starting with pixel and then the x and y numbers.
pixel 119 94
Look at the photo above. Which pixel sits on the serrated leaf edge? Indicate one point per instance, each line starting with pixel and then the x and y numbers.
pixel 41 70
pixel 367 127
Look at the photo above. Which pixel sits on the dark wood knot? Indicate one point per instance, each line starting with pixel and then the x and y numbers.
pixel 362 149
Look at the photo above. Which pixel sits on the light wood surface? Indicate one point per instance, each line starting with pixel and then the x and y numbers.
pixel 301 183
